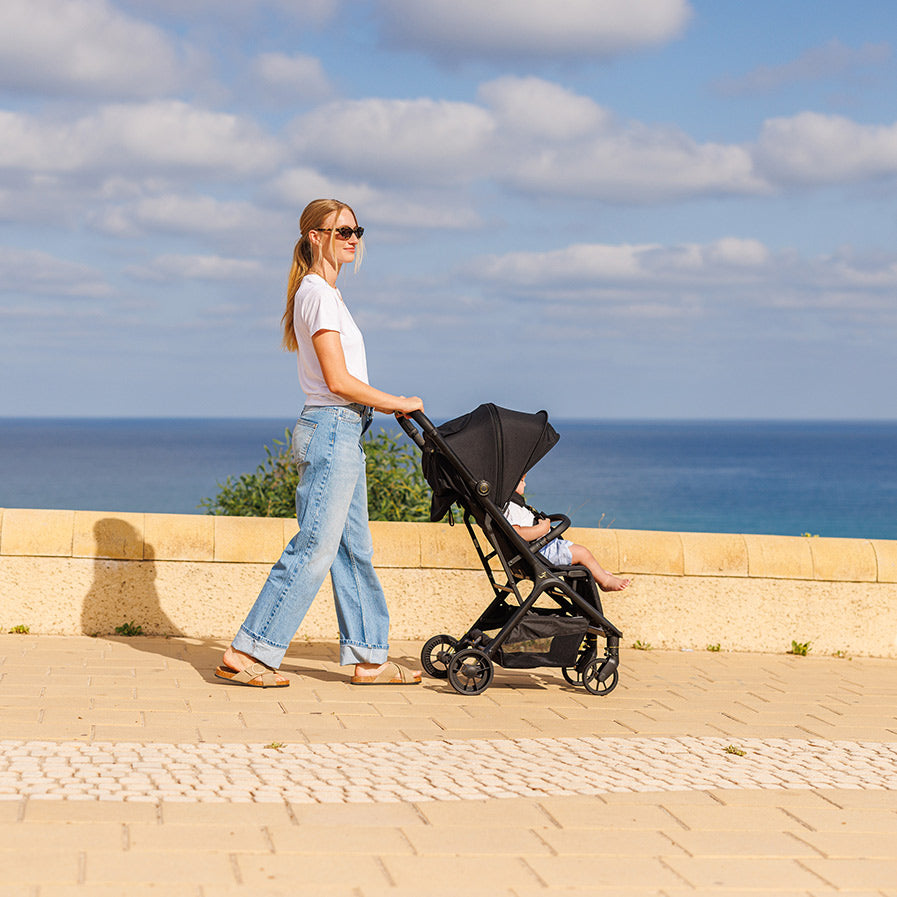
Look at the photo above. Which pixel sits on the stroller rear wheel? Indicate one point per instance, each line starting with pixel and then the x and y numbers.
pixel 594 682
pixel 470 671
pixel 436 654
pixel 587 653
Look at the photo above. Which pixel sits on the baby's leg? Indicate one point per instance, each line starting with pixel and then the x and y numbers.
pixel 607 582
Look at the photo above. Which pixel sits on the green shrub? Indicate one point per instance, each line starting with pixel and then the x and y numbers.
pixel 396 487
pixel 129 629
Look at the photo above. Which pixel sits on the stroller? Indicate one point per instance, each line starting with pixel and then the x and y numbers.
pixel 476 462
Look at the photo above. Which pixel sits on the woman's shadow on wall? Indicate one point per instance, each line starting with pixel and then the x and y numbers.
pixel 123 604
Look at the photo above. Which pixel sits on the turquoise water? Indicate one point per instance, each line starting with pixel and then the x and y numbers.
pixel 787 478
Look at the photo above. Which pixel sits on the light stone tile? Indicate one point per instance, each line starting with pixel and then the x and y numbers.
pixel 311 871
pixel 488 872
pixel 207 868
pixel 226 833
pixel 576 871
pixel 773 874
pixel 45 864
pixel 856 873
pixel 340 840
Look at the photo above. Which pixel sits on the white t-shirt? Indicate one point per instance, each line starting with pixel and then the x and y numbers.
pixel 319 306
pixel 517 515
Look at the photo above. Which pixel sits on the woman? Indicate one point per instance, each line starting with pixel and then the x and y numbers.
pixel 331 499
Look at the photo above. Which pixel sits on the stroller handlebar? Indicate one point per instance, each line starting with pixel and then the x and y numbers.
pixel 422 421
pixel 559 522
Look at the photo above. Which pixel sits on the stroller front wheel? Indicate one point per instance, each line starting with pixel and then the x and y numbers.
pixel 436 655
pixel 470 671
pixel 594 682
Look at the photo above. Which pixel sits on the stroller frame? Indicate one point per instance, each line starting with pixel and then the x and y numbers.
pixel 468 662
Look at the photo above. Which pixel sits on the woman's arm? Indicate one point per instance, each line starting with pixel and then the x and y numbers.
pixel 340 382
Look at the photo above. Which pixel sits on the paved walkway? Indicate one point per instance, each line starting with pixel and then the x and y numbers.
pixel 126 768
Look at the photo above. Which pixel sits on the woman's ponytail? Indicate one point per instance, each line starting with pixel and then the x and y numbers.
pixel 303 259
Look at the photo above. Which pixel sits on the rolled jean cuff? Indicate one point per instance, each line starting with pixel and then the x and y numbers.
pixel 262 651
pixel 354 652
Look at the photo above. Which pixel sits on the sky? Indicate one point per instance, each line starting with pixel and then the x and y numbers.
pixel 604 208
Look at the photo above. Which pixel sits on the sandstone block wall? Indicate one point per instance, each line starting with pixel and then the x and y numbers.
pixel 71 572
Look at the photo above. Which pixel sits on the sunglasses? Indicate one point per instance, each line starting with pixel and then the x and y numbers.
pixel 343 232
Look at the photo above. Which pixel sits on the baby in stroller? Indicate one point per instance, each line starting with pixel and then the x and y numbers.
pixel 532 524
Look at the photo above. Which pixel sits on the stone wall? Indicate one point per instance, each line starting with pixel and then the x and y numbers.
pixel 68 572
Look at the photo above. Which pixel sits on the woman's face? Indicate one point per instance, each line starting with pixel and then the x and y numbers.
pixel 339 251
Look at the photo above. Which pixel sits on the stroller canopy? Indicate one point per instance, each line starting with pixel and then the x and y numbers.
pixel 494 444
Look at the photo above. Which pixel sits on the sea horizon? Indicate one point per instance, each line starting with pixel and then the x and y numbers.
pixel 777 476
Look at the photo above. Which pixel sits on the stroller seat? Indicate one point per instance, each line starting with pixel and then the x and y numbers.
pixel 475 462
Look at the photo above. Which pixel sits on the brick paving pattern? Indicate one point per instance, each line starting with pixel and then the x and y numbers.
pixel 125 768
pixel 389 772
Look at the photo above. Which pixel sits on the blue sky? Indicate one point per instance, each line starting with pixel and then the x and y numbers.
pixel 604 208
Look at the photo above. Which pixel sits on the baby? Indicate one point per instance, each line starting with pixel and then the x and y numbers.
pixel 560 552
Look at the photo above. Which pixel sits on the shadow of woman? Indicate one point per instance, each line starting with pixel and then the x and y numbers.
pixel 123 603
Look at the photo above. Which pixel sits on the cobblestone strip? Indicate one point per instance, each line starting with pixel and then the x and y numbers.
pixel 434 770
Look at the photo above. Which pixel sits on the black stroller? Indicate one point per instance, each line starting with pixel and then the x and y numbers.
pixel 476 462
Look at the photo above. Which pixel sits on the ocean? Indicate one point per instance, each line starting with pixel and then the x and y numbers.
pixel 773 477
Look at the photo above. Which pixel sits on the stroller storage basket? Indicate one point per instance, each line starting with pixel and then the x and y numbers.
pixel 543 641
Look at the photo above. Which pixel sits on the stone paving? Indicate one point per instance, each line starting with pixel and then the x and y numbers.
pixel 126 768
pixel 390 772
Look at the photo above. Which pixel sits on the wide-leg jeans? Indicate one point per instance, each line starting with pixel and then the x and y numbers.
pixel 334 535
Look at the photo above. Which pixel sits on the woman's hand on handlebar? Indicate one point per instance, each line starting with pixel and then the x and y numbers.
pixel 405 405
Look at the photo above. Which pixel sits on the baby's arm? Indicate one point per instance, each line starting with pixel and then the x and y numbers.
pixel 536 531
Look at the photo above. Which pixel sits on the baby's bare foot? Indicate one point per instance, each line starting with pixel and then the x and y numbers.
pixel 612 583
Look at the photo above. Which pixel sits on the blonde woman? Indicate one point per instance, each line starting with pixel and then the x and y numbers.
pixel 331 499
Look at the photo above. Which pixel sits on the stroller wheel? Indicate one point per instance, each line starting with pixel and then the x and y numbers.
pixel 593 682
pixel 436 654
pixel 470 671
pixel 586 654
pixel 571 674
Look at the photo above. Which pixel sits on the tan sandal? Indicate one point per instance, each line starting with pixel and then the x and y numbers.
pixel 256 675
pixel 391 674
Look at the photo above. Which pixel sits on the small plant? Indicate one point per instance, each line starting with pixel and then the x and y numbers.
pixel 810 535
pixel 21 629
pixel 734 749
pixel 129 629
pixel 714 648
pixel 642 646
pixel 840 653
pixel 799 648
pixel 275 746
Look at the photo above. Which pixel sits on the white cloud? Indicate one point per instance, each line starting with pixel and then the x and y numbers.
pixel 528 133
pixel 830 60
pixel 397 140
pixel 84 47
pixel 542 109
pixel 531 29
pixel 733 270
pixel 811 148
pixel 300 76
pixel 164 135
pixel 185 214
pixel 35 273
pixel 174 267
pixel 309 12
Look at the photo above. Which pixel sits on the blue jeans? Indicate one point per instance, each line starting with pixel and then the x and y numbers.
pixel 334 536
